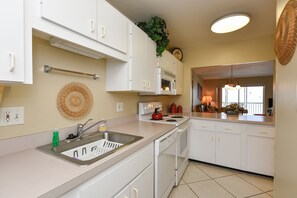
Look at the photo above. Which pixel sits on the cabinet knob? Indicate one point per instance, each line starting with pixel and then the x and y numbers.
pixel 103 31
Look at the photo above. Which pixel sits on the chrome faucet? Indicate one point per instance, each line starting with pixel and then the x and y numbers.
pixel 81 130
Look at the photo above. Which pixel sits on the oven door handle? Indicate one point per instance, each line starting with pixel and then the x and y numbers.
pixel 185 127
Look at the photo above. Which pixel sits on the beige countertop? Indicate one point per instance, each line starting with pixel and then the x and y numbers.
pixel 31 173
pixel 241 118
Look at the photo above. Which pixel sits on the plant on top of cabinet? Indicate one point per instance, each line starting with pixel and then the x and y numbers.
pixel 156 29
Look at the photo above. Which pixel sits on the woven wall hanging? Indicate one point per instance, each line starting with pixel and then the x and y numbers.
pixel 286 33
pixel 74 101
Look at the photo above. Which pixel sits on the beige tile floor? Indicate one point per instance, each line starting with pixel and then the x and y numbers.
pixel 208 181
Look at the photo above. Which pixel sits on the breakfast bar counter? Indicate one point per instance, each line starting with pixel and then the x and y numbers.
pixel 241 118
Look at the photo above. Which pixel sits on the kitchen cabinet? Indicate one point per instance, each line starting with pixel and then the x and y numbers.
pixel 141 186
pixel 140 73
pixel 260 149
pixel 112 27
pixel 166 62
pixel 14 52
pixel 78 15
pixel 170 64
pixel 215 142
pixel 179 76
pixel 133 174
pixel 93 28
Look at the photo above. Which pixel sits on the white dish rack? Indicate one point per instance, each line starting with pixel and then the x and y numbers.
pixel 92 150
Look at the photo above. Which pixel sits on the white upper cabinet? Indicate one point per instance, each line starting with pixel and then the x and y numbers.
pixel 112 27
pixel 139 74
pixel 179 76
pixel 92 26
pixel 166 61
pixel 76 15
pixel 12 48
pixel 16 43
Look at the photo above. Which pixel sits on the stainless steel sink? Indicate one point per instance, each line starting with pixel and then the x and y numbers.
pixel 91 147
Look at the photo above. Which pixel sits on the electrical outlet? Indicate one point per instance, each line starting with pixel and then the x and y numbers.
pixel 120 106
pixel 11 116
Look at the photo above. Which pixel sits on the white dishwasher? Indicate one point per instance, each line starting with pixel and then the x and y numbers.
pixel 165 156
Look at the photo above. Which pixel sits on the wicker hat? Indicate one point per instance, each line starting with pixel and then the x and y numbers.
pixel 74 101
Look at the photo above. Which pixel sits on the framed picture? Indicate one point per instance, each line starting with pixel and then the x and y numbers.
pixel 199 91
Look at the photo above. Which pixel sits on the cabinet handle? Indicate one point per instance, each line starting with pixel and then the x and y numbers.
pixel 219 139
pixel 12 65
pixel 204 127
pixel 262 132
pixel 92 26
pixel 103 31
pixel 144 83
pixel 136 192
pixel 228 129
pixel 148 84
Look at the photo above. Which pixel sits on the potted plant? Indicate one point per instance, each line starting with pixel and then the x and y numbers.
pixel 156 29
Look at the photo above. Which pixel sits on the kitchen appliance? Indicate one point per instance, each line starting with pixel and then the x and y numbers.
pixel 182 124
pixel 165 82
pixel 165 161
pixel 182 150
pixel 157 115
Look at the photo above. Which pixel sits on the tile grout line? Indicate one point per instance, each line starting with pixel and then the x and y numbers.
pixel 216 181
pixel 253 184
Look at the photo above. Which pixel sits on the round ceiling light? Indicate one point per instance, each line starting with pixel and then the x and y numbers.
pixel 230 23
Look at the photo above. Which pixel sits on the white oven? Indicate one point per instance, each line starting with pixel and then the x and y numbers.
pixel 182 150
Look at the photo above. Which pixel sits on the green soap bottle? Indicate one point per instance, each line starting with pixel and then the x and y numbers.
pixel 56 140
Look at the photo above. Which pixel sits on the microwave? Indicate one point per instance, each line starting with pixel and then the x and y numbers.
pixel 166 82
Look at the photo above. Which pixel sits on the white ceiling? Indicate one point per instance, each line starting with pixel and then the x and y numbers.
pixel 189 22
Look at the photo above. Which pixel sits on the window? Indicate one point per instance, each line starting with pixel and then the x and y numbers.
pixel 250 98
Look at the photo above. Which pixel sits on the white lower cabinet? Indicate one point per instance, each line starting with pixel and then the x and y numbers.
pixel 260 149
pixel 215 143
pixel 247 147
pixel 132 177
pixel 140 187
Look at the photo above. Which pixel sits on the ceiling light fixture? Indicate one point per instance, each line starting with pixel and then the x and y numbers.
pixel 232 84
pixel 230 23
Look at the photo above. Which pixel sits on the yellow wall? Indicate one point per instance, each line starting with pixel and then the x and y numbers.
pixel 258 49
pixel 286 125
pixel 39 99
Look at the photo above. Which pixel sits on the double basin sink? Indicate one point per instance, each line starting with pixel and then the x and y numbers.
pixel 90 147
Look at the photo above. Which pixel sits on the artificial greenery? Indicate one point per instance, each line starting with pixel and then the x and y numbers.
pixel 156 29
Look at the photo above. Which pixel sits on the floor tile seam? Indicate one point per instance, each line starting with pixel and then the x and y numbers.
pixel 269 194
pixel 233 173
pixel 254 184
pixel 224 188
pixel 208 174
pixel 263 193
pixel 198 181
pixel 192 191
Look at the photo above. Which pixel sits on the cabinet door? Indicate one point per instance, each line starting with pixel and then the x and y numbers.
pixel 260 155
pixel 228 149
pixel 179 75
pixel 124 193
pixel 151 66
pixel 142 186
pixel 76 15
pixel 202 145
pixel 138 59
pixel 12 41
pixel 112 27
